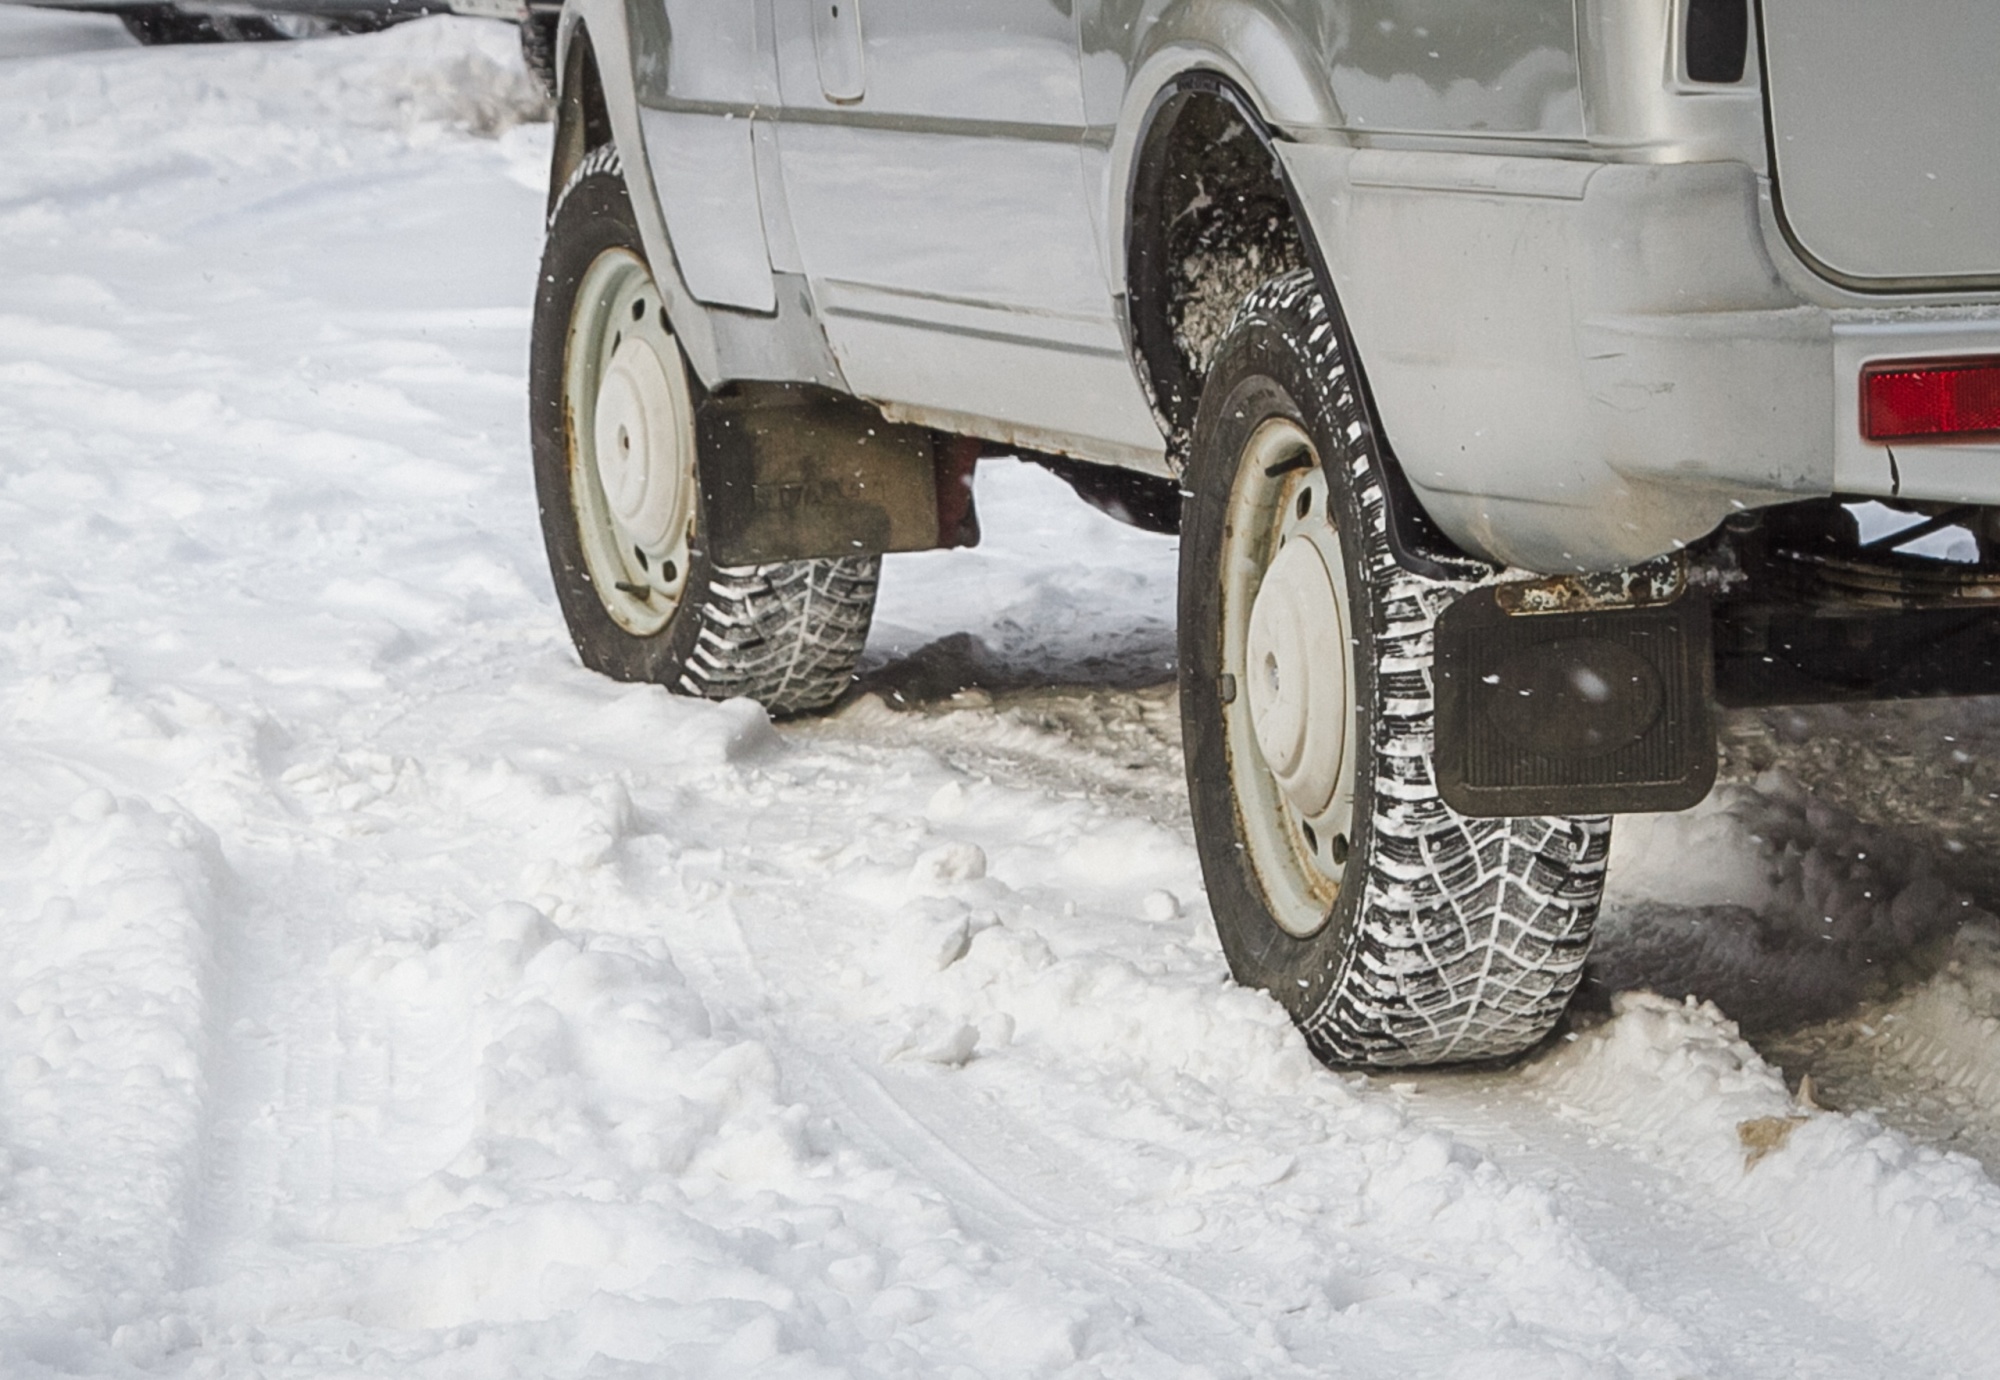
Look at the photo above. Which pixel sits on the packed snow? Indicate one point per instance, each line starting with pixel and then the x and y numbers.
pixel 382 994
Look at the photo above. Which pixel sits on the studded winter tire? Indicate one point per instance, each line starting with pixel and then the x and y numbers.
pixel 617 472
pixel 1394 931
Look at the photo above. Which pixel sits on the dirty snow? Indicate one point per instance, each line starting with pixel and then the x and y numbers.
pixel 382 994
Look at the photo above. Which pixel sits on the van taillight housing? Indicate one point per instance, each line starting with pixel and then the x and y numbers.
pixel 1931 400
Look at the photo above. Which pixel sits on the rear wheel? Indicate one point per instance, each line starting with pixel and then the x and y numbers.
pixel 1395 931
pixel 617 472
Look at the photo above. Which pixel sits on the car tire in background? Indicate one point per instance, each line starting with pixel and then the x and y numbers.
pixel 617 473
pixel 538 48
pixel 1394 931
pixel 154 25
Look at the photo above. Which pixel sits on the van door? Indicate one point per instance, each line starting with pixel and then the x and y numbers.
pixel 700 73
pixel 1885 118
pixel 932 162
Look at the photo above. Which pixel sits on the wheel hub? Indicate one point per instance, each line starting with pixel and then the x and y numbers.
pixel 638 436
pixel 1290 693
pixel 632 472
pixel 1296 667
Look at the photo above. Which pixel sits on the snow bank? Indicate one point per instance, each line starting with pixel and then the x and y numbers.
pixel 107 966
pixel 243 107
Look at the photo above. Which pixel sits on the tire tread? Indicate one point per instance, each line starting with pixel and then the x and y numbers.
pixel 1471 933
pixel 787 634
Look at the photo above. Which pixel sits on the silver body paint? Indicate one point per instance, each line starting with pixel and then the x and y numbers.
pixel 1594 321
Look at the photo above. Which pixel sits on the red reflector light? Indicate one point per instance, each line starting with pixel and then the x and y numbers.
pixel 1931 400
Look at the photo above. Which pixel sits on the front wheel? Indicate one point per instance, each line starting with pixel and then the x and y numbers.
pixel 1394 931
pixel 618 475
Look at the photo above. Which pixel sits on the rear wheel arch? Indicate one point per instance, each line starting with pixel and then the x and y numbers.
pixel 1210 213
pixel 1392 929
pixel 1203 173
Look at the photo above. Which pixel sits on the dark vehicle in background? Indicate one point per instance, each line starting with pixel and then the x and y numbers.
pixel 274 21
pixel 221 21
pixel 1523 377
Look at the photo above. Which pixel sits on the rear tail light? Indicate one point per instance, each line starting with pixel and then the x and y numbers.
pixel 1931 400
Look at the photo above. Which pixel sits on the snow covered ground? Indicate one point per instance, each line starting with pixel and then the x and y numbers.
pixel 380 994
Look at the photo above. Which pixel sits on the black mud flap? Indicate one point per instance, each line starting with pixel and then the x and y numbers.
pixel 1582 713
pixel 789 475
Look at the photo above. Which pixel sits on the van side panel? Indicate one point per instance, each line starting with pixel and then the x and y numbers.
pixel 699 72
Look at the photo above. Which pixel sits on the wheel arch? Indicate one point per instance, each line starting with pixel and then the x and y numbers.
pixel 1269 66
pixel 1243 217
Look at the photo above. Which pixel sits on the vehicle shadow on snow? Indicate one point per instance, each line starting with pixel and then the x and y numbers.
pixel 942 670
pixel 1842 850
pixel 1770 974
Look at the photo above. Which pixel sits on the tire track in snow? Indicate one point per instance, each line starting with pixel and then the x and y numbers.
pixel 1926 1060
pixel 1181 1316
pixel 821 1066
pixel 1089 1043
pixel 1715 1265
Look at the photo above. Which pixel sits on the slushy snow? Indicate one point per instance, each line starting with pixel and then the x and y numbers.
pixel 382 994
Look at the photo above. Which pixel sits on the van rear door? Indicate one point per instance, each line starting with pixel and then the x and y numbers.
pixel 1885 126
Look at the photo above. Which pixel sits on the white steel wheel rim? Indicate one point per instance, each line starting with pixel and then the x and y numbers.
pixel 630 420
pixel 1288 653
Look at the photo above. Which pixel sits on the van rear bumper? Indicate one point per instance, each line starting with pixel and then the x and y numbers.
pixel 1583 365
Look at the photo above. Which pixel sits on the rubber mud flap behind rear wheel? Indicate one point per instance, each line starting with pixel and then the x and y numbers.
pixel 1394 930
pixel 612 421
pixel 1607 710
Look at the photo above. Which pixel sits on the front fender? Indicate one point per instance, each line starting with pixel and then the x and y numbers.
pixel 610 36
